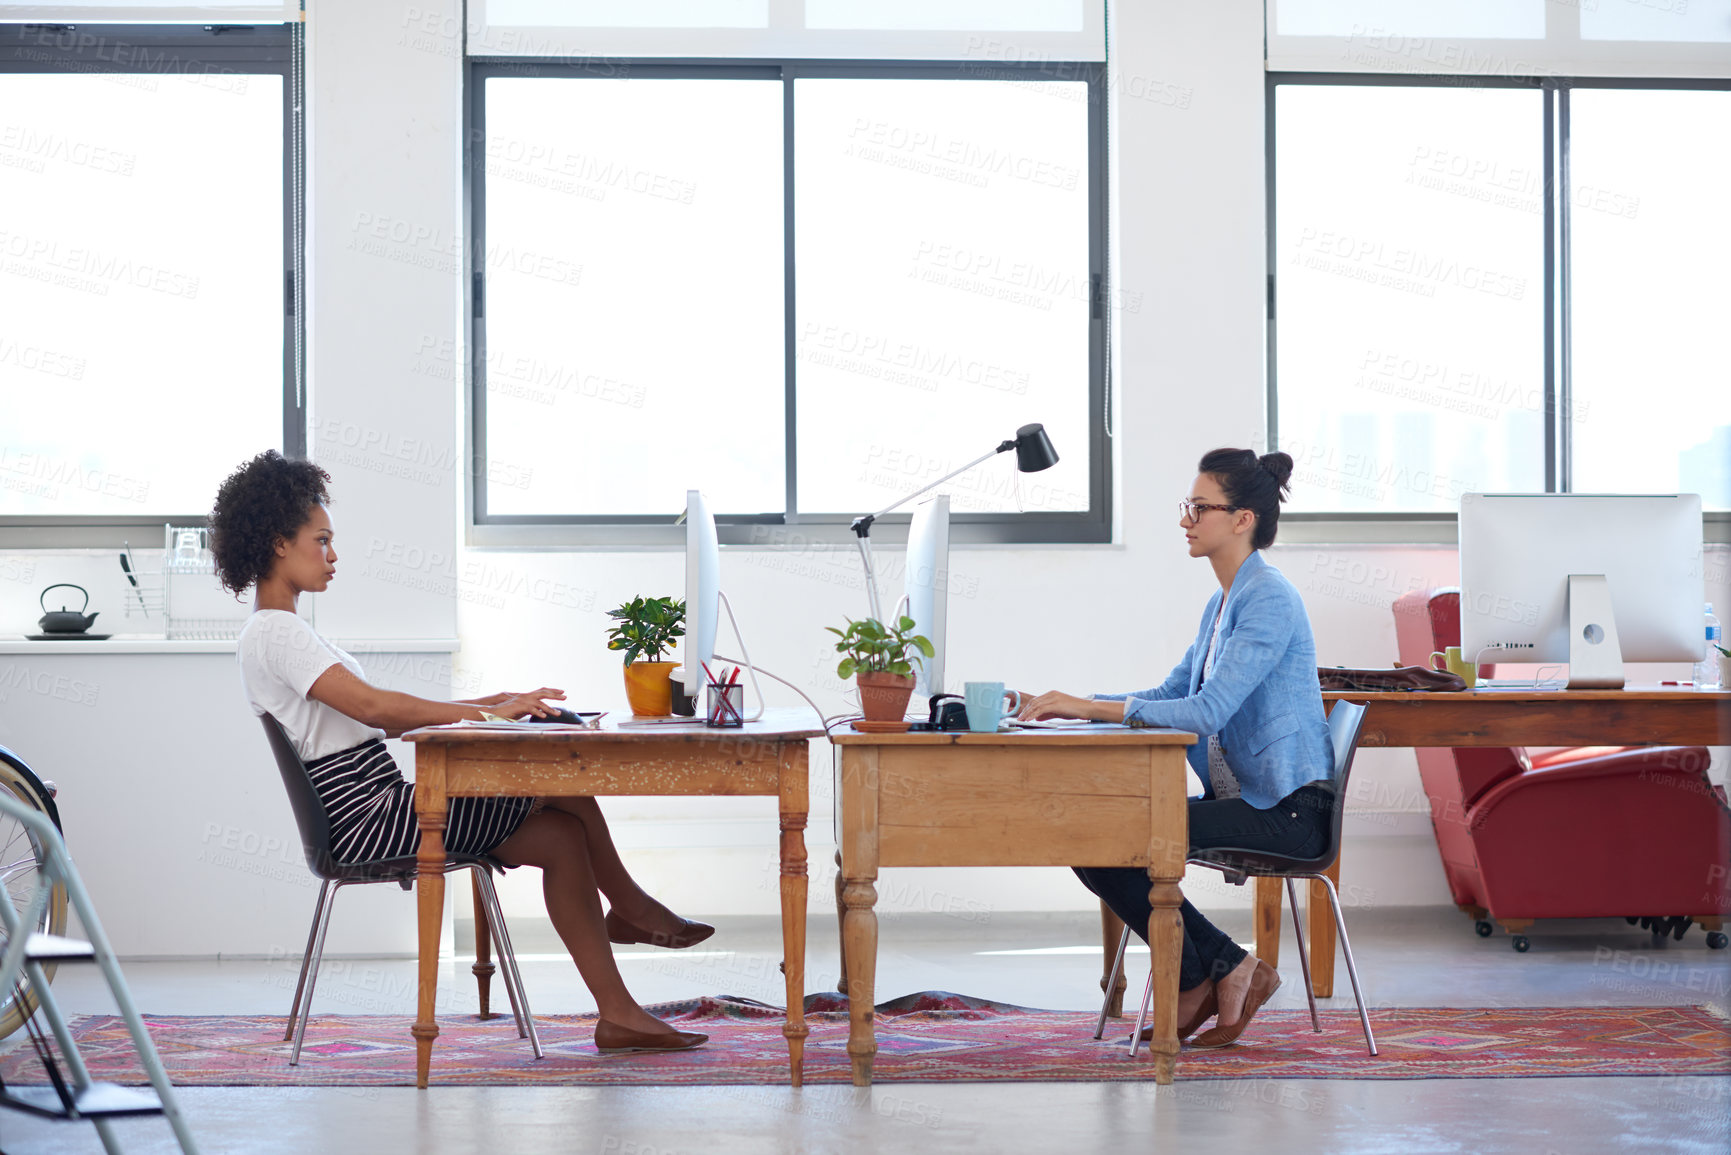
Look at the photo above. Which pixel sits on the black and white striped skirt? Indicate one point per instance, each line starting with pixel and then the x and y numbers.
pixel 372 809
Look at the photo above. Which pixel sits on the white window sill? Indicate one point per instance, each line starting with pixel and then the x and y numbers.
pixel 157 644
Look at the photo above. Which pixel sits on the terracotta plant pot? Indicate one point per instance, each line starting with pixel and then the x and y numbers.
pixel 884 697
pixel 648 689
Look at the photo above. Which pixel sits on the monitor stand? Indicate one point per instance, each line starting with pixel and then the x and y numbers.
pixel 1595 655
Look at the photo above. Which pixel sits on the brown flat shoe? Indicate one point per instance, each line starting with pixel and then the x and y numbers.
pixel 689 933
pixel 1209 1008
pixel 1264 981
pixel 613 1039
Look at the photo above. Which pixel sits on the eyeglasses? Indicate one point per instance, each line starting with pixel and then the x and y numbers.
pixel 1192 510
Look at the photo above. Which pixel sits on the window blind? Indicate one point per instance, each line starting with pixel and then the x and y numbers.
pixel 152 12
pixel 988 31
pixel 1612 38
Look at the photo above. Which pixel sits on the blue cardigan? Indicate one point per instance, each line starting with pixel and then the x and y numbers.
pixel 1264 699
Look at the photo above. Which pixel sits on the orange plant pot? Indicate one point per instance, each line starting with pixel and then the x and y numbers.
pixel 884 697
pixel 648 688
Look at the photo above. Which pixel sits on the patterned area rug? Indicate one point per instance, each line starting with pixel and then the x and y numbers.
pixel 928 1037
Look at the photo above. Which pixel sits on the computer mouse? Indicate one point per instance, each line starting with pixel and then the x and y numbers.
pixel 559 715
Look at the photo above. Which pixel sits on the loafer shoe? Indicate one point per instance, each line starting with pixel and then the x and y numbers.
pixel 1264 981
pixel 1209 1008
pixel 613 1039
pixel 689 933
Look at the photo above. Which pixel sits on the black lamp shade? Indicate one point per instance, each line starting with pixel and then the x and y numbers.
pixel 1034 450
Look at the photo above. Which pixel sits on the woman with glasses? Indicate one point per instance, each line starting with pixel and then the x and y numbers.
pixel 1247 687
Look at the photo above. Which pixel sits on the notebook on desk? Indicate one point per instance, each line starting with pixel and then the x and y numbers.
pixel 1064 724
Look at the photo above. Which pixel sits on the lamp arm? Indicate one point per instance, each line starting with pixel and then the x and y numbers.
pixel 899 502
pixel 871 578
pixel 862 526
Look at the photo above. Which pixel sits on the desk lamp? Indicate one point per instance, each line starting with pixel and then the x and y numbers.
pixel 1034 452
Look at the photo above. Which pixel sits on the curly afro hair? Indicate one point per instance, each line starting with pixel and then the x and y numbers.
pixel 266 500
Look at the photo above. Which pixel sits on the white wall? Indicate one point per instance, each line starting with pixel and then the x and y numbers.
pixel 385 321
pixel 384 252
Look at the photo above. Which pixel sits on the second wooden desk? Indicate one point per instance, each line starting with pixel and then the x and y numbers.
pixel 1106 797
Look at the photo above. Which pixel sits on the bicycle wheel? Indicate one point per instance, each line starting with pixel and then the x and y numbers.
pixel 21 858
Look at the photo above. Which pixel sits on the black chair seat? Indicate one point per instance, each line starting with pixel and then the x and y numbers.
pixel 1239 863
pixel 403 869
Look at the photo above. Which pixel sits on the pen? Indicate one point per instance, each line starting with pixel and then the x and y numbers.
pixel 733 678
pixel 1668 683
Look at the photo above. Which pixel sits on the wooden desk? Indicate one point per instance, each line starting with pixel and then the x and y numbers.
pixel 1035 798
pixel 1637 716
pixel 762 758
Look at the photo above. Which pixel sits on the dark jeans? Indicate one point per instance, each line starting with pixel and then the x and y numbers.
pixel 1297 825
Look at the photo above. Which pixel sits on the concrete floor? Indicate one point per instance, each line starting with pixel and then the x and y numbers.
pixel 1408 957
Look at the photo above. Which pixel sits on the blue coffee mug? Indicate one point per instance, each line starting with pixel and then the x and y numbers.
pixel 986 705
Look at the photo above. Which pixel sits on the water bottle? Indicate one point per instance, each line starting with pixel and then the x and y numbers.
pixel 1707 669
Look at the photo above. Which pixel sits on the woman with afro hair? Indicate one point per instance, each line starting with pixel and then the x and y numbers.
pixel 271 533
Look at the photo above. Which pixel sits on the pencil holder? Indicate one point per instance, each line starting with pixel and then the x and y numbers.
pixel 726 705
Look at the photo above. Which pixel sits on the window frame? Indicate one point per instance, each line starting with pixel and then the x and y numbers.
pixel 1411 527
pixel 788 527
pixel 139 49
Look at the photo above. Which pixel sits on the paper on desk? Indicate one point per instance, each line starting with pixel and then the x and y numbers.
pixel 1060 723
pixel 469 724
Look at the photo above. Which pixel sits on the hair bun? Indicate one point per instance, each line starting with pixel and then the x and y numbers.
pixel 1280 465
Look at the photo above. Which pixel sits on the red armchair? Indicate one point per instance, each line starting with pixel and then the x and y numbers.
pixel 1590 832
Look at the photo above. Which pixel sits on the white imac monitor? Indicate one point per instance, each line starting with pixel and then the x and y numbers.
pixel 928 583
pixel 1593 580
pixel 702 589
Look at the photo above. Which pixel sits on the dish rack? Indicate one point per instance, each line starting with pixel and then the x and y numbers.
pixel 181 590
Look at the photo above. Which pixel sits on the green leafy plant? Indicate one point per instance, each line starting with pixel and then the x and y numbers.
pixel 646 627
pixel 871 647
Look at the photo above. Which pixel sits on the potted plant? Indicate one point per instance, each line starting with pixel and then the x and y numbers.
pixel 880 660
pixel 645 628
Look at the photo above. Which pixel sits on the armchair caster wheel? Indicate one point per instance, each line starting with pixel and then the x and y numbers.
pixel 1716 940
pixel 1483 928
pixel 1521 944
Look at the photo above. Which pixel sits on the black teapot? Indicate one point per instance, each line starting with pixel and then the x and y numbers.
pixel 63 620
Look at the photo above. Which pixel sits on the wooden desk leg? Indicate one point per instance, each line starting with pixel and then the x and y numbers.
pixel 1320 915
pixel 430 810
pixel 859 928
pixel 841 978
pixel 1269 897
pixel 794 805
pixel 1111 931
pixel 483 968
pixel 1168 845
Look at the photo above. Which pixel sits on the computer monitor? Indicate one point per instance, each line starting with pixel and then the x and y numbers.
pixel 702 590
pixel 928 587
pixel 1590 579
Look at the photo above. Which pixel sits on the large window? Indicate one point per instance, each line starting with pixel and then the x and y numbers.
pixel 806 290
pixel 147 336
pixel 1483 285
